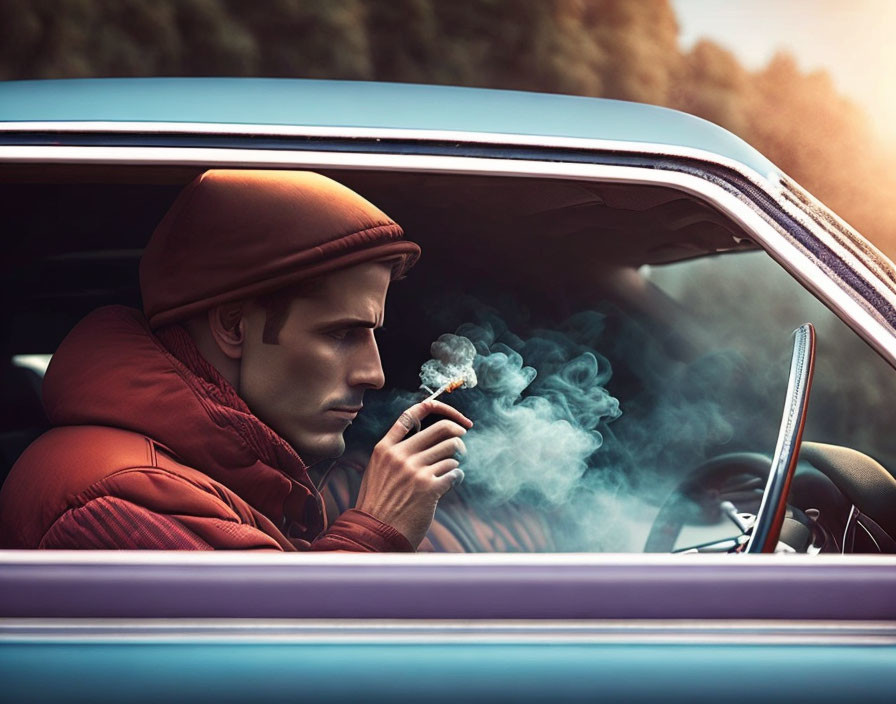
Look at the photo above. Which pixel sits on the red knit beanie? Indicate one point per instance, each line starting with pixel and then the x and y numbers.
pixel 233 234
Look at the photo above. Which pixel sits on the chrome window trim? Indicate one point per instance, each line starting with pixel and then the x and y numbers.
pixel 392 134
pixel 847 305
pixel 430 631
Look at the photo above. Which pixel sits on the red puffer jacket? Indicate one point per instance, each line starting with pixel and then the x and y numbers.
pixel 152 448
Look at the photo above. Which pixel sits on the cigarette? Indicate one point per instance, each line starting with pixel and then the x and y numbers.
pixel 446 388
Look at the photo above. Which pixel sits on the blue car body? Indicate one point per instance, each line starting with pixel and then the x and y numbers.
pixel 351 104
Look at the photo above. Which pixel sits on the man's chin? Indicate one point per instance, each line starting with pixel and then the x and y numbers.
pixel 319 449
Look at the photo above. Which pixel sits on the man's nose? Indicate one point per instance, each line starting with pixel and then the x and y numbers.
pixel 367 370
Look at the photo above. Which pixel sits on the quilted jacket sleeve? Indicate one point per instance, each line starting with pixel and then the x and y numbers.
pixel 356 531
pixel 151 509
pixel 111 523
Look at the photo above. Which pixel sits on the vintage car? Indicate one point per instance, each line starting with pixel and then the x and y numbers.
pixel 656 506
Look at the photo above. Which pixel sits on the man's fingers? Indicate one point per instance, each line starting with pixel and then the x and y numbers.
pixel 411 418
pixel 409 421
pixel 443 467
pixel 444 450
pixel 449 480
pixel 406 422
pixel 449 412
pixel 433 435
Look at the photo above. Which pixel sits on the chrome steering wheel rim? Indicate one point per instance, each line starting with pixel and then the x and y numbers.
pixel 770 517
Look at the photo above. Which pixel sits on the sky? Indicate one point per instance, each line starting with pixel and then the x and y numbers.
pixel 851 39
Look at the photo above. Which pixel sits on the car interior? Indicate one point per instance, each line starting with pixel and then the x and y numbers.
pixel 535 251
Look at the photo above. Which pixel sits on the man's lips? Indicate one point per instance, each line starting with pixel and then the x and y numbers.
pixel 346 412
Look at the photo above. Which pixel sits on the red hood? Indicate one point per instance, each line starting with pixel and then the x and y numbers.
pixel 112 371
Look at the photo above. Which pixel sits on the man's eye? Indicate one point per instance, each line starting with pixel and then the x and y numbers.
pixel 342 334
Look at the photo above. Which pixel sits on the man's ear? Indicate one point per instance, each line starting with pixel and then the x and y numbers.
pixel 227 326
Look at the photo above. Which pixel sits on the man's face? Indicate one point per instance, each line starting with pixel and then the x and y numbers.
pixel 310 386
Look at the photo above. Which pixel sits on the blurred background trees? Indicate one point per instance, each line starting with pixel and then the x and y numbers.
pixel 607 48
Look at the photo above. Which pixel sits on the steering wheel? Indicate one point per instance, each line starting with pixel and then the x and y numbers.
pixel 739 474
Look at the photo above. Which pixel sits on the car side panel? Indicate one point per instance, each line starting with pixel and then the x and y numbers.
pixel 437 672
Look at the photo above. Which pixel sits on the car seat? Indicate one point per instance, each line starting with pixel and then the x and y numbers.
pixel 22 417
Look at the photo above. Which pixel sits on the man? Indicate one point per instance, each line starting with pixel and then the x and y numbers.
pixel 192 426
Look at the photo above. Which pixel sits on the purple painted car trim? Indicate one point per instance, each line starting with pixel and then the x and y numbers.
pixel 665 590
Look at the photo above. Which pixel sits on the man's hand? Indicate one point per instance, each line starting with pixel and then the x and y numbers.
pixel 406 476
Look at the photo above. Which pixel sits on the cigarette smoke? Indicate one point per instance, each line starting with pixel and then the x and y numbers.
pixel 452 359
pixel 550 439
pixel 539 408
pixel 583 428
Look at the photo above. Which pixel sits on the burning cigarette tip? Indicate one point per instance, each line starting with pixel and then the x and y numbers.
pixel 452 385
pixel 447 387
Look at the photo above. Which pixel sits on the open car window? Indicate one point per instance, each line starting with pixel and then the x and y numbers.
pixel 614 354
pixel 751 301
pixel 742 306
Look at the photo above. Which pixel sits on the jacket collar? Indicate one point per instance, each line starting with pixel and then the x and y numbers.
pixel 112 370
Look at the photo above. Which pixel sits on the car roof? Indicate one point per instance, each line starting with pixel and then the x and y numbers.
pixel 374 106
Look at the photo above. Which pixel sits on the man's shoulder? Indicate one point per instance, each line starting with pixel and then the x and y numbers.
pixel 72 457
pixel 68 466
